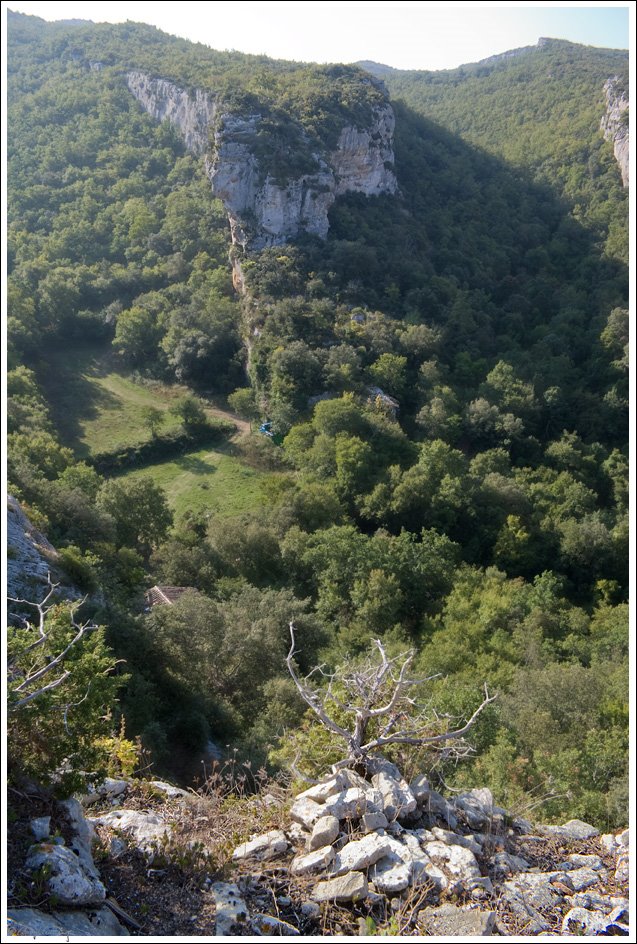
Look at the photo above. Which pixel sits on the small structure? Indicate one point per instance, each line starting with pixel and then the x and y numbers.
pixel 164 596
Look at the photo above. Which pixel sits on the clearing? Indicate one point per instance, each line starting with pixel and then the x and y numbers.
pixel 97 408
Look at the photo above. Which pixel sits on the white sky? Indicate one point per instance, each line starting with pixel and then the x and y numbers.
pixel 403 34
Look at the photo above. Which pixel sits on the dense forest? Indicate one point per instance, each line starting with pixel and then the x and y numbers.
pixel 446 379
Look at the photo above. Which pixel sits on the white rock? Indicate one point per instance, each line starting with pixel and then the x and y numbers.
pixel 580 921
pixel 537 889
pixel 453 921
pixel 419 786
pixel 352 804
pixel 622 869
pixel 572 831
pixel 623 839
pixel 506 864
pixel 338 783
pixel 29 922
pixel 585 861
pixel 391 874
pixel 296 834
pixel 455 839
pixel 459 862
pixel 581 879
pixel 593 901
pixel 325 831
pixel 256 202
pixel 350 887
pixel 68 880
pixel 231 911
pixel 609 843
pixel 310 909
pixel 267 846
pixel 619 915
pixel 147 830
pixel 269 926
pixel 397 799
pixel 373 821
pixel 476 807
pixel 523 909
pixel 360 854
pixel 168 789
pixel 117 847
pixel 83 834
pixel 41 827
pixel 435 805
pixel 306 812
pixel 315 861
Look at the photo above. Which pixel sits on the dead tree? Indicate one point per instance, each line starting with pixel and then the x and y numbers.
pixel 378 694
pixel 52 674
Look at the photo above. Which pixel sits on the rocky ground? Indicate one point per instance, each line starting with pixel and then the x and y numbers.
pixel 353 855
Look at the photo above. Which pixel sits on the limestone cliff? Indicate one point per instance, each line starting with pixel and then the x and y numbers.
pixel 614 124
pixel 31 558
pixel 264 210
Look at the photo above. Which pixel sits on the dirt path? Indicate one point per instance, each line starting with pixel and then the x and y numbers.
pixel 243 426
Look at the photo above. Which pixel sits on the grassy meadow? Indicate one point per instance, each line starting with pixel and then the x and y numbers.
pixel 98 408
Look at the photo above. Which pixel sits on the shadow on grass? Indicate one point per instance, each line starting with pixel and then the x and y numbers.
pixel 195 465
pixel 67 377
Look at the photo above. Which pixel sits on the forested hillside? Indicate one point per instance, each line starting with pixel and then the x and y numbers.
pixel 445 376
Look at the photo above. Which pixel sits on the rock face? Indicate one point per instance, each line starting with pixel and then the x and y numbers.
pixel 192 112
pixel 262 209
pixel 614 124
pixel 30 556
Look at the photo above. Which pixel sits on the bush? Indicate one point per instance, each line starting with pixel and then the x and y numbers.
pixel 56 732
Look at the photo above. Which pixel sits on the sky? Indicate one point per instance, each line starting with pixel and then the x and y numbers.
pixel 406 35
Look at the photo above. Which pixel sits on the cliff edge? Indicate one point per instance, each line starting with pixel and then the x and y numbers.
pixel 266 205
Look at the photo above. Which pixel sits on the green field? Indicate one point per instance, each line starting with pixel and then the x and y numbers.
pixel 97 408
pixel 211 479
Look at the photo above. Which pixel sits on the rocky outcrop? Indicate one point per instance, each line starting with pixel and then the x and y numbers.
pixel 192 113
pixel 264 210
pixel 614 123
pixel 31 560
pixel 507 880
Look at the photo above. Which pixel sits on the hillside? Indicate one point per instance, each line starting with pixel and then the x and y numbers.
pixel 415 291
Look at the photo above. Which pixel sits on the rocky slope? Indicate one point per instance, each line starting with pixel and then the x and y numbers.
pixel 614 123
pixel 30 559
pixel 355 854
pixel 262 209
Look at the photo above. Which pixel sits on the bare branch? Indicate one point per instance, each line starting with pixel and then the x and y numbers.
pixel 404 720
pixel 58 659
pixel 41 691
pixel 42 608
pixel 402 738
pixel 311 698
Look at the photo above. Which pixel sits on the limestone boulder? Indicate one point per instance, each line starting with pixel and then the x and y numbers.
pixel 350 887
pixel 455 921
pixel 324 833
pixel 398 801
pixel 67 878
pixel 572 831
pixel 146 831
pixel 231 912
pixel 30 922
pixel 360 854
pixel 267 846
pixel 315 861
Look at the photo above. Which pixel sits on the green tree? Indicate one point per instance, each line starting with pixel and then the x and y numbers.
pixel 190 411
pixel 140 511
pixel 62 688
pixel 153 419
